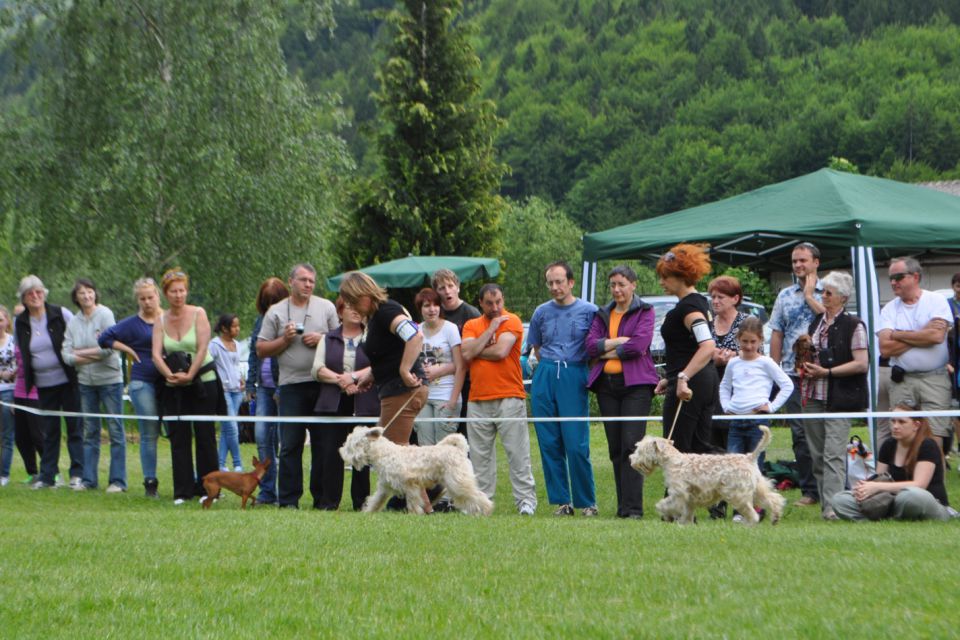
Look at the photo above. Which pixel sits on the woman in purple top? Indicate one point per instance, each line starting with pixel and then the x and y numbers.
pixel 623 377
pixel 28 427
pixel 134 337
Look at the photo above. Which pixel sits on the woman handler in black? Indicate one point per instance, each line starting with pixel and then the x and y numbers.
pixel 690 373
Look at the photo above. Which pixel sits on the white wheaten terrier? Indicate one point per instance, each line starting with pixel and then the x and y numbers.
pixel 408 470
pixel 702 480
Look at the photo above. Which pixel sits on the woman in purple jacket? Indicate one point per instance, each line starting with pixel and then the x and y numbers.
pixel 623 377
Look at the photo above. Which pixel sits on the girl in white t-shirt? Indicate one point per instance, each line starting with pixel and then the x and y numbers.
pixel 746 386
pixel 444 368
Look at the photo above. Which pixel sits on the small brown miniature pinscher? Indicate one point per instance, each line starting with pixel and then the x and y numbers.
pixel 242 484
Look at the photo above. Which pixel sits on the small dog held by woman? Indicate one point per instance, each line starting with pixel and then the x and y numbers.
pixel 701 480
pixel 407 471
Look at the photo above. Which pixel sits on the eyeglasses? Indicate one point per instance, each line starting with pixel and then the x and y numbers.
pixel 897 277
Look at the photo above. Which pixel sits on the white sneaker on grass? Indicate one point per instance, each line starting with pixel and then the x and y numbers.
pixel 178 502
pixel 238 469
pixel 75 482
pixel 115 488
pixel 526 509
pixel 4 481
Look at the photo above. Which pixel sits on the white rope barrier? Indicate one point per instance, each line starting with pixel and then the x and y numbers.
pixel 757 417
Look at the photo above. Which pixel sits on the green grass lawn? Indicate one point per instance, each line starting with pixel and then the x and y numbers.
pixel 92 565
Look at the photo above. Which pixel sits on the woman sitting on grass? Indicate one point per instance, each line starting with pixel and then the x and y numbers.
pixel 915 462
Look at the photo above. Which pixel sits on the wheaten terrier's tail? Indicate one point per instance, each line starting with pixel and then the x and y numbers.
pixel 764 441
pixel 767 498
pixel 456 440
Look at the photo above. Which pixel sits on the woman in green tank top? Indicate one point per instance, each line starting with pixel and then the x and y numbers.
pixel 185 328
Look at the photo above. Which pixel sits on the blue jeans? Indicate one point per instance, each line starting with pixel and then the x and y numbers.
pixel 6 439
pixel 110 397
pixel 268 443
pixel 229 433
pixel 143 395
pixel 743 437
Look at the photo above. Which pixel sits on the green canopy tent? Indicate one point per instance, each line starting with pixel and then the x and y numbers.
pixel 849 217
pixel 832 209
pixel 416 271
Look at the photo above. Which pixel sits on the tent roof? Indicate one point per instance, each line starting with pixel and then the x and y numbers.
pixel 416 271
pixel 834 210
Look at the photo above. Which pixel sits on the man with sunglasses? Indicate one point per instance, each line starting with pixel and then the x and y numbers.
pixel 912 332
pixel 794 310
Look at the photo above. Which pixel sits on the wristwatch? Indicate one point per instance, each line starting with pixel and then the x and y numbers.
pixel 354 377
pixel 683 376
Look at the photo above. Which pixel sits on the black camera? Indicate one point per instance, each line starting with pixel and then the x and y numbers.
pixel 299 328
pixel 897 373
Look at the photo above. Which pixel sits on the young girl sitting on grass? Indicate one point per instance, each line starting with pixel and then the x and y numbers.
pixel 746 386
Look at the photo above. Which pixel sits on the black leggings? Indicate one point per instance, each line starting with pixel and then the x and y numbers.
pixel 692 431
pixel 28 434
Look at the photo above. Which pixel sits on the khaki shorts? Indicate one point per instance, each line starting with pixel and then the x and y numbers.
pixel 929 392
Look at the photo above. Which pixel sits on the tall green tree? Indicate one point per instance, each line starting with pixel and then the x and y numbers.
pixel 170 133
pixel 436 189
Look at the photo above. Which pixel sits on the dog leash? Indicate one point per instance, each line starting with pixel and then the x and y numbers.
pixel 675 416
pixel 400 410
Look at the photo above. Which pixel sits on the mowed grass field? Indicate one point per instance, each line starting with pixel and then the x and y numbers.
pixel 92 565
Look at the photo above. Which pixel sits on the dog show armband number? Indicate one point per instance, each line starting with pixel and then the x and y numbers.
pixel 701 330
pixel 406 330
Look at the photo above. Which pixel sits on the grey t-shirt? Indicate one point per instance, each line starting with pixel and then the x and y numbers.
pixel 296 360
pixel 47 370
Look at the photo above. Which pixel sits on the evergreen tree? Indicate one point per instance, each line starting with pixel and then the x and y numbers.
pixel 436 190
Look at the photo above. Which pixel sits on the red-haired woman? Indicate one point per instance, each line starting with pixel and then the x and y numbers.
pixel 180 340
pixel 690 373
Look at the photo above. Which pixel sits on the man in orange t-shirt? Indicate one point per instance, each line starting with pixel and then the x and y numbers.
pixel 491 345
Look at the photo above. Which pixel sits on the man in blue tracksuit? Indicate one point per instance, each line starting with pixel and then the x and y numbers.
pixel 557 333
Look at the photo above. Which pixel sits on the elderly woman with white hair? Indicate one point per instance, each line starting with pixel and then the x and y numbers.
pixel 836 382
pixel 40 332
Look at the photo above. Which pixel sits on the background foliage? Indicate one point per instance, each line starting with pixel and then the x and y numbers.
pixel 161 134
pixel 607 111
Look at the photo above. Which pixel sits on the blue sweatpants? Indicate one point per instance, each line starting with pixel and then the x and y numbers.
pixel 559 389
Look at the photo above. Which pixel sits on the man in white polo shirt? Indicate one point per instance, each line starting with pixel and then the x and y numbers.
pixel 912 333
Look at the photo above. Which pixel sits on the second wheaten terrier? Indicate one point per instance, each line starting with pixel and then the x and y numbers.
pixel 702 480
pixel 407 471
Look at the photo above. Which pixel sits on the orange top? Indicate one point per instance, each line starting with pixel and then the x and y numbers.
pixel 614 366
pixel 494 380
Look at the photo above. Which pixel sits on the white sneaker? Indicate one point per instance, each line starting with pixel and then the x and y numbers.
pixel 75 482
pixel 737 518
pixel 4 481
pixel 953 513
pixel 115 488
pixel 178 502
pixel 526 509
pixel 238 469
pixel 40 484
pixel 78 487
